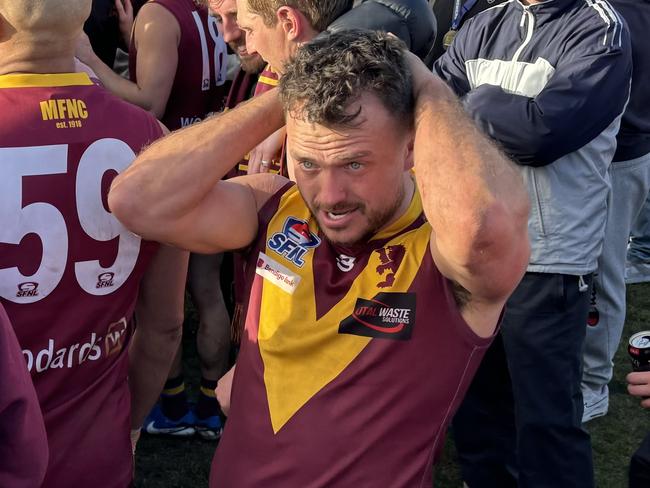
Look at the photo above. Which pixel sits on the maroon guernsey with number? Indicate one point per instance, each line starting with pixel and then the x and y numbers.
pixel 352 361
pixel 69 271
pixel 199 83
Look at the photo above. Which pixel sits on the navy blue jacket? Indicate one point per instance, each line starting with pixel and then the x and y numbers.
pixel 585 71
pixel 549 82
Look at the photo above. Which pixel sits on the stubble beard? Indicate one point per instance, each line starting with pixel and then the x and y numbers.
pixel 376 219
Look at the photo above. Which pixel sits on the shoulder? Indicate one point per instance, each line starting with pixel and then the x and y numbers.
pixel 159 16
pixel 597 25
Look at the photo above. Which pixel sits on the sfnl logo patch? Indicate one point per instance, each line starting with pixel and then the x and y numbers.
pixel 386 316
pixel 294 241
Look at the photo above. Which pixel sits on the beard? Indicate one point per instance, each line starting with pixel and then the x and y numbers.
pixel 251 64
pixel 376 219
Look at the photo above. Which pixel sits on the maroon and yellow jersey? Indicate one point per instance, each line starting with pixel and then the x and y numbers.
pixel 69 271
pixel 352 361
pixel 199 83
pixel 267 80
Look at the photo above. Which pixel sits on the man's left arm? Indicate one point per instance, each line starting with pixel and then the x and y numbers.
pixel 474 199
pixel 583 97
pixel 159 320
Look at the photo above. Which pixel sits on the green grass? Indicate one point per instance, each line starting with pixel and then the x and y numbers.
pixel 173 463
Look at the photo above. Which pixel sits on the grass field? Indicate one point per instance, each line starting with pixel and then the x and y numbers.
pixel 174 463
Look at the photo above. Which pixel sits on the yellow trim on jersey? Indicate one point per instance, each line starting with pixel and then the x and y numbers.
pixel 30 80
pixel 302 354
pixel 268 81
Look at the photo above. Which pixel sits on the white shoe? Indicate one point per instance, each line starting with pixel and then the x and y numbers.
pixel 595 406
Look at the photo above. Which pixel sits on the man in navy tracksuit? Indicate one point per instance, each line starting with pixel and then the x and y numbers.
pixel 549 82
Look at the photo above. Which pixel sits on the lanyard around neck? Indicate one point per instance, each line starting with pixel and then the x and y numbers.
pixel 460 10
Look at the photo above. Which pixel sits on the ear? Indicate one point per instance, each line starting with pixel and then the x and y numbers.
pixel 293 23
pixel 409 161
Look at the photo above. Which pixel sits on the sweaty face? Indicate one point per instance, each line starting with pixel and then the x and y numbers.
pixel 225 12
pixel 261 39
pixel 354 181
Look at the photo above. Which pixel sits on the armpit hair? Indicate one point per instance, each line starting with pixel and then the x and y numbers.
pixel 461 295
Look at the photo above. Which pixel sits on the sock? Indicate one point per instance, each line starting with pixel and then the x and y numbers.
pixel 173 400
pixel 207 406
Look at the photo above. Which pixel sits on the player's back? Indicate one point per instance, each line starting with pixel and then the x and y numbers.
pixel 69 271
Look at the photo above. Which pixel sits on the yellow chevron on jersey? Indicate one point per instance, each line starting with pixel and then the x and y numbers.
pixel 302 354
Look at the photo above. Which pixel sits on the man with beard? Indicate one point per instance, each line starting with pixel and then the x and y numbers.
pixel 372 297
pixel 248 80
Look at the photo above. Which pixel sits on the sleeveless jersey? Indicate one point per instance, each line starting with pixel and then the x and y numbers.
pixel 69 271
pixel 352 363
pixel 199 83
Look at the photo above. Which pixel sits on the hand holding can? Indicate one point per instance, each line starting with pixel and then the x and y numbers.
pixel 639 350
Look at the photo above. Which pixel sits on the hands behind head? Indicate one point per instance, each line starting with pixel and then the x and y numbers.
pixel 638 385
pixel 267 153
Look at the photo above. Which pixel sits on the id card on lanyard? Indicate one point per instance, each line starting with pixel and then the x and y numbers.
pixel 460 10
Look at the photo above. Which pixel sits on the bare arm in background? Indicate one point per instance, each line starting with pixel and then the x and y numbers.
pixel 157 35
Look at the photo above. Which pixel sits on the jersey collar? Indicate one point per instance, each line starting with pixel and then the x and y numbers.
pixel 33 80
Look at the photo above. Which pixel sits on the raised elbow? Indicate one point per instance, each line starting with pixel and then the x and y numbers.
pixel 500 251
pixel 124 204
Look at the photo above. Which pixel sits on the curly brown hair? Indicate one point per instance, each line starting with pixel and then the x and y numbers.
pixel 331 72
pixel 319 13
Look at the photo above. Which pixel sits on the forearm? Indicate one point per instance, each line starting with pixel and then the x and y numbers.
pixel 173 177
pixel 121 87
pixel 473 195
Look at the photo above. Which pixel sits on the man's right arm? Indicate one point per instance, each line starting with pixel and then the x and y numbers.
pixel 173 193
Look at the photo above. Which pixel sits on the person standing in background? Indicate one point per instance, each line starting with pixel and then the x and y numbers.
pixel 177 64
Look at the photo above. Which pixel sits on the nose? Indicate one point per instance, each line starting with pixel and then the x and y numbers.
pixel 231 31
pixel 250 45
pixel 331 191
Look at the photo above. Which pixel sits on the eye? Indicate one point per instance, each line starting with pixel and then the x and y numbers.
pixel 355 165
pixel 307 165
pixel 218 18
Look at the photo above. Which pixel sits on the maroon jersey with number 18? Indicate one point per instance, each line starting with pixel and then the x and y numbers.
pixel 199 83
pixel 69 271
